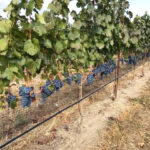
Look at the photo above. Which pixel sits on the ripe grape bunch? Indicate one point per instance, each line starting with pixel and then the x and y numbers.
pixel 95 72
pixel 140 57
pixel 132 60
pixel 122 61
pixel 58 84
pixel 66 74
pixel 148 54
pixel 112 66
pixel 68 79
pixel 106 68
pixel 90 79
pixel 45 90
pixel 78 78
pixel 27 95
pixel 11 100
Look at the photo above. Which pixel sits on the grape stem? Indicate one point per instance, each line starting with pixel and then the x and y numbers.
pixel 28 79
pixel 59 74
pixel 48 75
pixel 10 33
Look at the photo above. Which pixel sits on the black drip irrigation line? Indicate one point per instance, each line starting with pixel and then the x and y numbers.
pixel 60 111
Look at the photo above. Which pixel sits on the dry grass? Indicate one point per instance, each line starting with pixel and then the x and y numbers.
pixel 131 131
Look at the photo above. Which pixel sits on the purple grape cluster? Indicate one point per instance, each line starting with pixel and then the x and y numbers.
pixel 26 98
pixel 103 69
pixel 148 54
pixel 90 79
pixel 10 99
pixel 78 78
pixel 132 60
pixel 106 69
pixel 58 84
pixel 122 61
pixel 95 72
pixel 70 79
pixel 66 74
pixel 46 91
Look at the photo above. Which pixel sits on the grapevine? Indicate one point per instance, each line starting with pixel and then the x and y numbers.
pixel 46 44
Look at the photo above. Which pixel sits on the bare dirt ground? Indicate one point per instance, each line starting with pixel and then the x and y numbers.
pixel 70 131
pixel 131 130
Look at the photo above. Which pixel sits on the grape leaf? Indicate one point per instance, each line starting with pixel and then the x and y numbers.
pixel 74 35
pixel 32 48
pixel 3 44
pixel 8 74
pixel 76 45
pixel 100 45
pixel 5 26
pixel 39 4
pixel 40 29
pixel 48 44
pixel 59 47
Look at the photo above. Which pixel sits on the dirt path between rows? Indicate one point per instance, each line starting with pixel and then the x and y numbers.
pixel 70 131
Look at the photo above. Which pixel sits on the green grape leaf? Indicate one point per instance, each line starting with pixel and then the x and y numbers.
pixel 14 2
pixel 108 33
pixel 48 44
pixel 72 56
pixel 1 87
pixel 77 24
pixel 31 66
pixel 100 45
pixel 73 14
pixel 39 4
pixel 134 40
pixel 40 18
pixel 66 1
pixel 76 45
pixel 55 7
pixel 126 38
pixel 73 35
pixel 38 63
pixel 51 88
pixel 3 44
pixel 8 74
pixel 9 9
pixel 111 43
pixel 100 19
pixel 22 62
pixel 30 7
pixel 50 25
pixel 40 29
pixel 5 26
pixel 90 9
pixel 13 68
pixel 108 18
pixel 99 30
pixel 17 54
pixel 59 47
pixel 62 24
pixel 32 48
pixel 86 44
